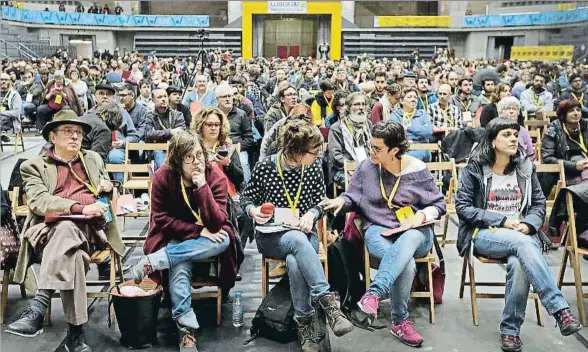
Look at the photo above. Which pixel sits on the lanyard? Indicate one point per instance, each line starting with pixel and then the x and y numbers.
pixel 294 204
pixel 356 135
pixel 89 185
pixel 214 147
pixel 407 117
pixel 581 143
pixel 202 97
pixel 446 117
pixel 536 100
pixel 185 195
pixel 487 100
pixel 5 97
pixel 425 103
pixel 161 123
pixel 466 107
pixel 394 189
pixel 581 100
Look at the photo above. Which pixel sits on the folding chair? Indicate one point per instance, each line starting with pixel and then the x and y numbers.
pixel 536 137
pixel 322 254
pixel 442 167
pixel 432 147
pixel 218 294
pixel 15 143
pixel 573 253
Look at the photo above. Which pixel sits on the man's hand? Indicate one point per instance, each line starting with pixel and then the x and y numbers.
pixel 117 144
pixel 524 228
pixel 95 209
pixel 582 165
pixel 105 186
pixel 214 237
pixel 259 217
pixel 176 130
pixel 412 222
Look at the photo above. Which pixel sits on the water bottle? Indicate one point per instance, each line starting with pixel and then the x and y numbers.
pixel 237 310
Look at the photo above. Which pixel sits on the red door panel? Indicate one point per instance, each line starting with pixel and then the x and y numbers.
pixel 282 52
pixel 295 51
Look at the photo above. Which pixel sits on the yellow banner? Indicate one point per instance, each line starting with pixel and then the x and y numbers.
pixel 547 53
pixel 565 7
pixel 412 21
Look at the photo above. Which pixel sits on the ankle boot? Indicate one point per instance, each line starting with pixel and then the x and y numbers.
pixel 337 321
pixel 75 341
pixel 305 330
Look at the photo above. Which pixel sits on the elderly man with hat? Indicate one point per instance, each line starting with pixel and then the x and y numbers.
pixel 65 181
pixel 59 95
pixel 174 94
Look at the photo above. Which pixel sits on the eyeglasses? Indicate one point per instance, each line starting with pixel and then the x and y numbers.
pixel 212 124
pixel 68 131
pixel 289 95
pixel 124 95
pixel 190 159
pixel 318 153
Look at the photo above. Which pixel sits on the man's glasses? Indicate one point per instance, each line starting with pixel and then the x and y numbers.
pixel 190 159
pixel 212 124
pixel 68 131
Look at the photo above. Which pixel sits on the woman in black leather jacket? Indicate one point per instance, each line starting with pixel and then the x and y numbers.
pixel 566 139
pixel 501 207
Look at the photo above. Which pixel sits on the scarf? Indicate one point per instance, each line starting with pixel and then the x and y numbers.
pixel 362 136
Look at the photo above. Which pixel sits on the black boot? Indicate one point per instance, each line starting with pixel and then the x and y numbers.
pixel 30 323
pixel 75 341
pixel 309 339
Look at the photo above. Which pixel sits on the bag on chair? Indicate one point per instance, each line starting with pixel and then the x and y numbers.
pixel 9 234
pixel 274 318
pixel 438 274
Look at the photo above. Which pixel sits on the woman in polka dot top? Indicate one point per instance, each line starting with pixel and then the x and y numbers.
pixel 293 179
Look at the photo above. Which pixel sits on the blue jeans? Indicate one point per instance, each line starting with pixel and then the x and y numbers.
pixel 117 156
pixel 526 266
pixel 159 156
pixel 178 258
pixel 397 266
pixel 305 271
pixel 244 158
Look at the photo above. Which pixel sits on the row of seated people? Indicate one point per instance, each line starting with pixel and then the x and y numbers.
pixel 390 183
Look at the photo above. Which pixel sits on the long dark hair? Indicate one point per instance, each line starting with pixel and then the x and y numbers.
pixel 484 153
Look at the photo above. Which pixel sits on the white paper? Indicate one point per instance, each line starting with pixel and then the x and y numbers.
pixel 286 216
pixel 29 98
pixel 467 116
pixel 360 153
pixel 271 229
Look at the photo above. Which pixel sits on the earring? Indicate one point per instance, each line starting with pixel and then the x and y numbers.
pixel 493 146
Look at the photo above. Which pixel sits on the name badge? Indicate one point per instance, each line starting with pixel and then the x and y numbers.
pixel 29 98
pixel 467 116
pixel 404 213
pixel 286 216
pixel 58 99
pixel 360 153
pixel 2 108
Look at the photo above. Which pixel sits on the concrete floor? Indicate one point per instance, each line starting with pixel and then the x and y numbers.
pixel 453 331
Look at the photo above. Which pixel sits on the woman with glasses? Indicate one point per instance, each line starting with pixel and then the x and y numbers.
pixel 501 209
pixel 212 124
pixel 188 222
pixel 509 108
pixel 292 180
pixel 417 123
pixel 393 191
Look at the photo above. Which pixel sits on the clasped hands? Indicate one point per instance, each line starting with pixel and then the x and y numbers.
pixel 517 226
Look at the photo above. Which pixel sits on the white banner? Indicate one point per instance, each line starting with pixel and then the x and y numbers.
pixel 285 7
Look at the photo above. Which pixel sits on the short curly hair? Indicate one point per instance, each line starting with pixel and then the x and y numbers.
pixel 199 119
pixel 111 114
pixel 393 134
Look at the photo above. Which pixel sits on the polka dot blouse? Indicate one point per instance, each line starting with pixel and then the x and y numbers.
pixel 266 186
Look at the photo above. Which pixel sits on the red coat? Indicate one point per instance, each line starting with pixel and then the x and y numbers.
pixel 171 218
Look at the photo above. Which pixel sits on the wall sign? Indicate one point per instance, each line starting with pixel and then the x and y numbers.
pixel 285 7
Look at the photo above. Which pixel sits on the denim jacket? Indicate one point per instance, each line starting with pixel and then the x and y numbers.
pixel 471 200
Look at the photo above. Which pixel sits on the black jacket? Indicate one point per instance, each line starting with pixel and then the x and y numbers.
pixel 186 113
pixel 472 196
pixel 99 139
pixel 554 147
pixel 240 128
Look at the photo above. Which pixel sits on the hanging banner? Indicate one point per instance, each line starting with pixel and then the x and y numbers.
pixel 546 53
pixel 412 21
pixel 287 7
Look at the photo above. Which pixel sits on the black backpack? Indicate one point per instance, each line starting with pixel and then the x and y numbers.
pixel 345 274
pixel 274 318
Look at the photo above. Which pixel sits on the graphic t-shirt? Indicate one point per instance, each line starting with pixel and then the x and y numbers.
pixel 505 196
